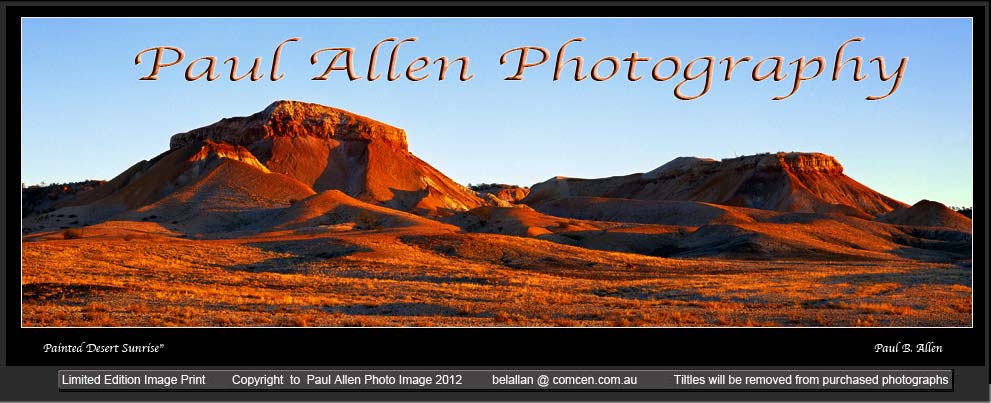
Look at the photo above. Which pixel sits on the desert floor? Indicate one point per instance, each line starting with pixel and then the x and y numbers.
pixel 146 276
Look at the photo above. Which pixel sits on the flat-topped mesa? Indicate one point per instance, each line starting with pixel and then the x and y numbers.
pixel 796 162
pixel 790 182
pixel 294 119
pixel 326 148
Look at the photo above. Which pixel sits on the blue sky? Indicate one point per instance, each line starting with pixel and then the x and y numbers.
pixel 87 116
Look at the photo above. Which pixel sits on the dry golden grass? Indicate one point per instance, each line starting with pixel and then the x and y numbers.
pixel 425 277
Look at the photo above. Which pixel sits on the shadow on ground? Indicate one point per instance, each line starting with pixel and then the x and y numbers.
pixel 302 252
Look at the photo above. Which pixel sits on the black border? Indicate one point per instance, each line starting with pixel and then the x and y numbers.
pixel 503 347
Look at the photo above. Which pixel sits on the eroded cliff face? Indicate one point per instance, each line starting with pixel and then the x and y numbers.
pixel 809 162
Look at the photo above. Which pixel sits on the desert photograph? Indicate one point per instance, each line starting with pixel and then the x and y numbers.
pixel 485 202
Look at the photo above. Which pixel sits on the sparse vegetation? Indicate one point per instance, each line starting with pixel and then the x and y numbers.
pixel 407 278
